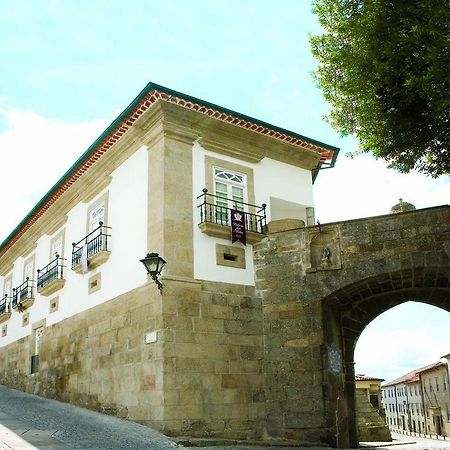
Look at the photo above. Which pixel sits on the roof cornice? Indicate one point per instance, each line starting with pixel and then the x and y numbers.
pixel 145 100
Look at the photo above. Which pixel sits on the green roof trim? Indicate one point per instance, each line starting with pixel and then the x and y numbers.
pixel 158 87
pixel 116 122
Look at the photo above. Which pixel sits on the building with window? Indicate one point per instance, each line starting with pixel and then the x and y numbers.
pixel 436 399
pixel 369 410
pixel 419 401
pixel 81 320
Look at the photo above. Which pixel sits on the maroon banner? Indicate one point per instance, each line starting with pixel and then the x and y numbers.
pixel 238 226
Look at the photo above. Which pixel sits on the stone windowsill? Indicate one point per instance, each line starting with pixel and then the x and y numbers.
pixel 52 287
pixel 4 316
pixel 94 261
pixel 25 303
pixel 224 232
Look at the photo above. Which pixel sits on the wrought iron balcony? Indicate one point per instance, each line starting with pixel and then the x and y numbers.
pixel 5 309
pixel 51 277
pixel 23 295
pixel 215 218
pixel 94 247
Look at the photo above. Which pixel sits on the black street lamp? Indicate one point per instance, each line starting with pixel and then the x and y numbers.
pixel 154 265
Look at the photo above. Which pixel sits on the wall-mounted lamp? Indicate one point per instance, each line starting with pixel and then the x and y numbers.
pixel 154 265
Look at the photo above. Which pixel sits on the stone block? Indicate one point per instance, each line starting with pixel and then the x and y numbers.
pixel 303 420
pixel 149 382
pixel 249 327
pixel 208 325
pixel 216 312
pixel 185 308
pixel 233 381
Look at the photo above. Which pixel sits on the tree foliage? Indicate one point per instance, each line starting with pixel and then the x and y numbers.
pixel 384 67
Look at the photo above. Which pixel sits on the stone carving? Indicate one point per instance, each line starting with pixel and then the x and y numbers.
pixel 324 251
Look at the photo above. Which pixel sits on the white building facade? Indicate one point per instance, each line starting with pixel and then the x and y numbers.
pixel 419 401
pixel 81 320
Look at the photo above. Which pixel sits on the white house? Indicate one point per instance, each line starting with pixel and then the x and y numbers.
pixel 80 318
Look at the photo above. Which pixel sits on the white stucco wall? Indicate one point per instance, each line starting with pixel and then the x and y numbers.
pixel 127 217
pixel 273 180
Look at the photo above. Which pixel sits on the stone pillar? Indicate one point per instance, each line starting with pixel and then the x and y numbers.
pixel 170 202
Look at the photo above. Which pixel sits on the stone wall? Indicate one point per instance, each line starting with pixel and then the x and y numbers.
pixel 372 426
pixel 320 287
pixel 202 376
pixel 227 361
pixel 97 359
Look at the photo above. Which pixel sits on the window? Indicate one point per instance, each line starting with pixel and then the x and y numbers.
pixel 38 333
pixel 93 249
pixel 231 174
pixel 28 268
pixel 57 246
pixel 230 189
pixel 7 286
pixel 97 212
pixel 51 277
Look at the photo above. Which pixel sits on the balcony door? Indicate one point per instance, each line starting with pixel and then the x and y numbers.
pixel 231 193
pixel 96 216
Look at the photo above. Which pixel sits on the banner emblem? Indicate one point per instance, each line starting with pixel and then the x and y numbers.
pixel 238 226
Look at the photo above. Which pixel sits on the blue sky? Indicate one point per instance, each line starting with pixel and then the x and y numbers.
pixel 68 68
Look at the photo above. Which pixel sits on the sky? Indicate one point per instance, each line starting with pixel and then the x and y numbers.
pixel 67 69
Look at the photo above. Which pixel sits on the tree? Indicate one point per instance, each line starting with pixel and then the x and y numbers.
pixel 384 67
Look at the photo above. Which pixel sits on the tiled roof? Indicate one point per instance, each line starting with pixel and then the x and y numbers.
pixel 147 97
pixel 412 376
pixel 361 377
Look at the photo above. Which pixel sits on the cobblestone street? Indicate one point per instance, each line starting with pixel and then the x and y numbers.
pixel 31 422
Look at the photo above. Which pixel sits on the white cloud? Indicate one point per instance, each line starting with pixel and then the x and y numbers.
pixel 363 187
pixel 407 337
pixel 35 152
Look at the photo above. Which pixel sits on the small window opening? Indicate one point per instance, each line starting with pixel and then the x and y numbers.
pixel 229 257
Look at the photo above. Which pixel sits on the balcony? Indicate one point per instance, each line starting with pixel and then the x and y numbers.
pixel 91 251
pixel 5 309
pixel 51 278
pixel 23 295
pixel 215 218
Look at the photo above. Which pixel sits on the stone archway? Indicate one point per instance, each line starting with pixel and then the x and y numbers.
pixel 320 286
pixel 348 311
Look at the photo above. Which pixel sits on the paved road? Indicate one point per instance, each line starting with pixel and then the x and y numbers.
pixel 403 442
pixel 30 422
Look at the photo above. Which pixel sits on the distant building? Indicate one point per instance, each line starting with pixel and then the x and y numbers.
pixel 369 410
pixel 419 401
pixel 372 388
pixel 436 399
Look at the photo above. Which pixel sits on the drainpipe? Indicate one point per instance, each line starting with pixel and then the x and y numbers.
pixel 423 406
pixel 396 407
pixel 407 409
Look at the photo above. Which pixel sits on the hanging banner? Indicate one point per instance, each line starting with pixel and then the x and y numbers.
pixel 238 226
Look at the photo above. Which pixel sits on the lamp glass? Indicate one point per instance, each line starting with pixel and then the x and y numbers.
pixel 153 263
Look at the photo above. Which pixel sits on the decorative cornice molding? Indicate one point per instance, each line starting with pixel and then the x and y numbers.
pixel 224 149
pixel 115 133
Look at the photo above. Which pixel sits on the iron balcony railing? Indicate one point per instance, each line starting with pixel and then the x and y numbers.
pixel 212 211
pixel 96 241
pixel 52 271
pixel 22 292
pixel 5 305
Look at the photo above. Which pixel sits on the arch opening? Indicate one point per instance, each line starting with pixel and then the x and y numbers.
pixel 388 352
pixel 347 313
